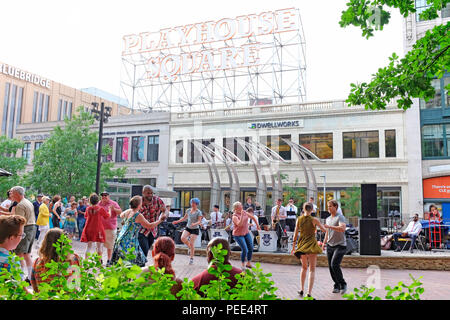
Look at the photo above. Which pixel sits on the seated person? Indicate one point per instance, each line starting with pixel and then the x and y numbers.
pixel 205 226
pixel 205 277
pixel 412 231
pixel 47 253
pixel 163 254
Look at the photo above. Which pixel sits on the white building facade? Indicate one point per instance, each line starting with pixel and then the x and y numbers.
pixel 358 146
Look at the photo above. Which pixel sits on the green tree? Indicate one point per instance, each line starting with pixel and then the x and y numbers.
pixel 10 163
pixel 351 202
pixel 295 192
pixel 66 163
pixel 406 78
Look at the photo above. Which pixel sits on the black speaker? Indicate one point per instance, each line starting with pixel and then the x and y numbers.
pixel 136 190
pixel 369 237
pixel 369 201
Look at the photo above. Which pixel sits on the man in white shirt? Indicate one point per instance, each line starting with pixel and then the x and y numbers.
pixel 412 231
pixel 279 220
pixel 311 201
pixel 216 218
pixel 291 211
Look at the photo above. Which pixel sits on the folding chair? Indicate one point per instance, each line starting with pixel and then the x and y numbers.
pixel 419 244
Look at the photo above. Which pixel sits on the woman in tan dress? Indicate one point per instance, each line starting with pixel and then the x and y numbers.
pixel 307 248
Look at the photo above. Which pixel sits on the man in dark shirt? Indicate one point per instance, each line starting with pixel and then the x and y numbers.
pixel 36 205
pixel 81 220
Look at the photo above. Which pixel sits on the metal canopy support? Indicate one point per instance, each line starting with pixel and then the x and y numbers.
pixel 213 174
pixel 301 152
pixel 271 158
pixel 261 185
pixel 228 158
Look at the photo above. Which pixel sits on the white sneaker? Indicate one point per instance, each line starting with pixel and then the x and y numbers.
pixel 191 261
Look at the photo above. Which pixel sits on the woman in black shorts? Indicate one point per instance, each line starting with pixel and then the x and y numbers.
pixel 194 216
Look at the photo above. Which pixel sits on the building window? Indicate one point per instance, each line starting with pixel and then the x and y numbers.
pixel 5 108
pixel 432 141
pixel 152 182
pixel 194 154
pixel 46 104
pixel 445 13
pixel 276 144
pixel 37 145
pixel 41 106
pixel 153 148
pixel 64 110
pixel 362 144
pixel 26 151
pixel 35 106
pixel 59 109
pixel 137 149
pixel 320 144
pixel 19 106
pixel 108 142
pixel 12 111
pixel 69 111
pixel 390 145
pixel 179 151
pixel 122 149
pixel 435 102
pixel 421 6
pixel 232 145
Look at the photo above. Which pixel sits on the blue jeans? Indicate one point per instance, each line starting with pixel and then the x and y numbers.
pixel 81 221
pixel 246 244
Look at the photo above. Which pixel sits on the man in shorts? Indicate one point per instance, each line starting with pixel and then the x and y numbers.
pixel 25 209
pixel 109 224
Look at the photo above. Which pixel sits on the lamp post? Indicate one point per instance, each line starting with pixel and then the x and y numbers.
pixel 324 176
pixel 102 116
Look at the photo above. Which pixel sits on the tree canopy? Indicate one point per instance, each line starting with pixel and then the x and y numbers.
pixel 406 78
pixel 66 163
pixel 11 163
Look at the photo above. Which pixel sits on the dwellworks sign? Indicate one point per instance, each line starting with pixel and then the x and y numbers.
pixel 275 124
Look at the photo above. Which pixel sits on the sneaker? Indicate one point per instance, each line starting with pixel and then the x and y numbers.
pixel 397 249
pixel 300 293
pixel 191 261
pixel 336 290
pixel 411 250
pixel 344 289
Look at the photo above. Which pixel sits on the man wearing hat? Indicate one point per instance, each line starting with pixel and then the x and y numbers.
pixel 36 204
pixel 110 224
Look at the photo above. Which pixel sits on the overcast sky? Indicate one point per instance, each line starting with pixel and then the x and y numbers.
pixel 79 43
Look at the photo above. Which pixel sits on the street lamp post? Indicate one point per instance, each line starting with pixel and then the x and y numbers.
pixel 324 176
pixel 102 116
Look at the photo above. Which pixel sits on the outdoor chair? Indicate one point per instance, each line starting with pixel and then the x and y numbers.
pixel 419 244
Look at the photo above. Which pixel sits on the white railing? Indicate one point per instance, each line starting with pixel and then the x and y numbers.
pixel 323 106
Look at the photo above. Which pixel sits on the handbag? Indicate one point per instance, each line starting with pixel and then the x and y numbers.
pixel 386 242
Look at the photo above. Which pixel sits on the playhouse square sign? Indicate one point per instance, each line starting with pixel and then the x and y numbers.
pixel 228 43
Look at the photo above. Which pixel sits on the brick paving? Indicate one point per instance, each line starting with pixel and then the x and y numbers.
pixel 287 277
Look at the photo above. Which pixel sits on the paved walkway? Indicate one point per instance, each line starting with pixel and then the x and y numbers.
pixel 287 277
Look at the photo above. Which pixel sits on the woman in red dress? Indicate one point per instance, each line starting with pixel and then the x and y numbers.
pixel 93 230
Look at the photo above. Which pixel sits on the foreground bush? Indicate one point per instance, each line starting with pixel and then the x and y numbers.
pixel 124 281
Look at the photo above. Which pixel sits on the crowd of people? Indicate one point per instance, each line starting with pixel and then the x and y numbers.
pixel 93 221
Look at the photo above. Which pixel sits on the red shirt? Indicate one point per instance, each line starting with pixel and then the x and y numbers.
pixel 205 277
pixel 151 212
pixel 111 222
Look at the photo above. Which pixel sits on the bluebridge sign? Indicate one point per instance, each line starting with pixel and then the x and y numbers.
pixel 279 124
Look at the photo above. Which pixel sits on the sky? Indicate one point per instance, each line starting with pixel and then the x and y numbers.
pixel 79 43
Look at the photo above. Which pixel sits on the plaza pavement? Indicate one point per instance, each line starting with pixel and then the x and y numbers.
pixel 287 277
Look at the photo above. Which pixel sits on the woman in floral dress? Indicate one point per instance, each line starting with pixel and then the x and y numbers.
pixel 128 237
